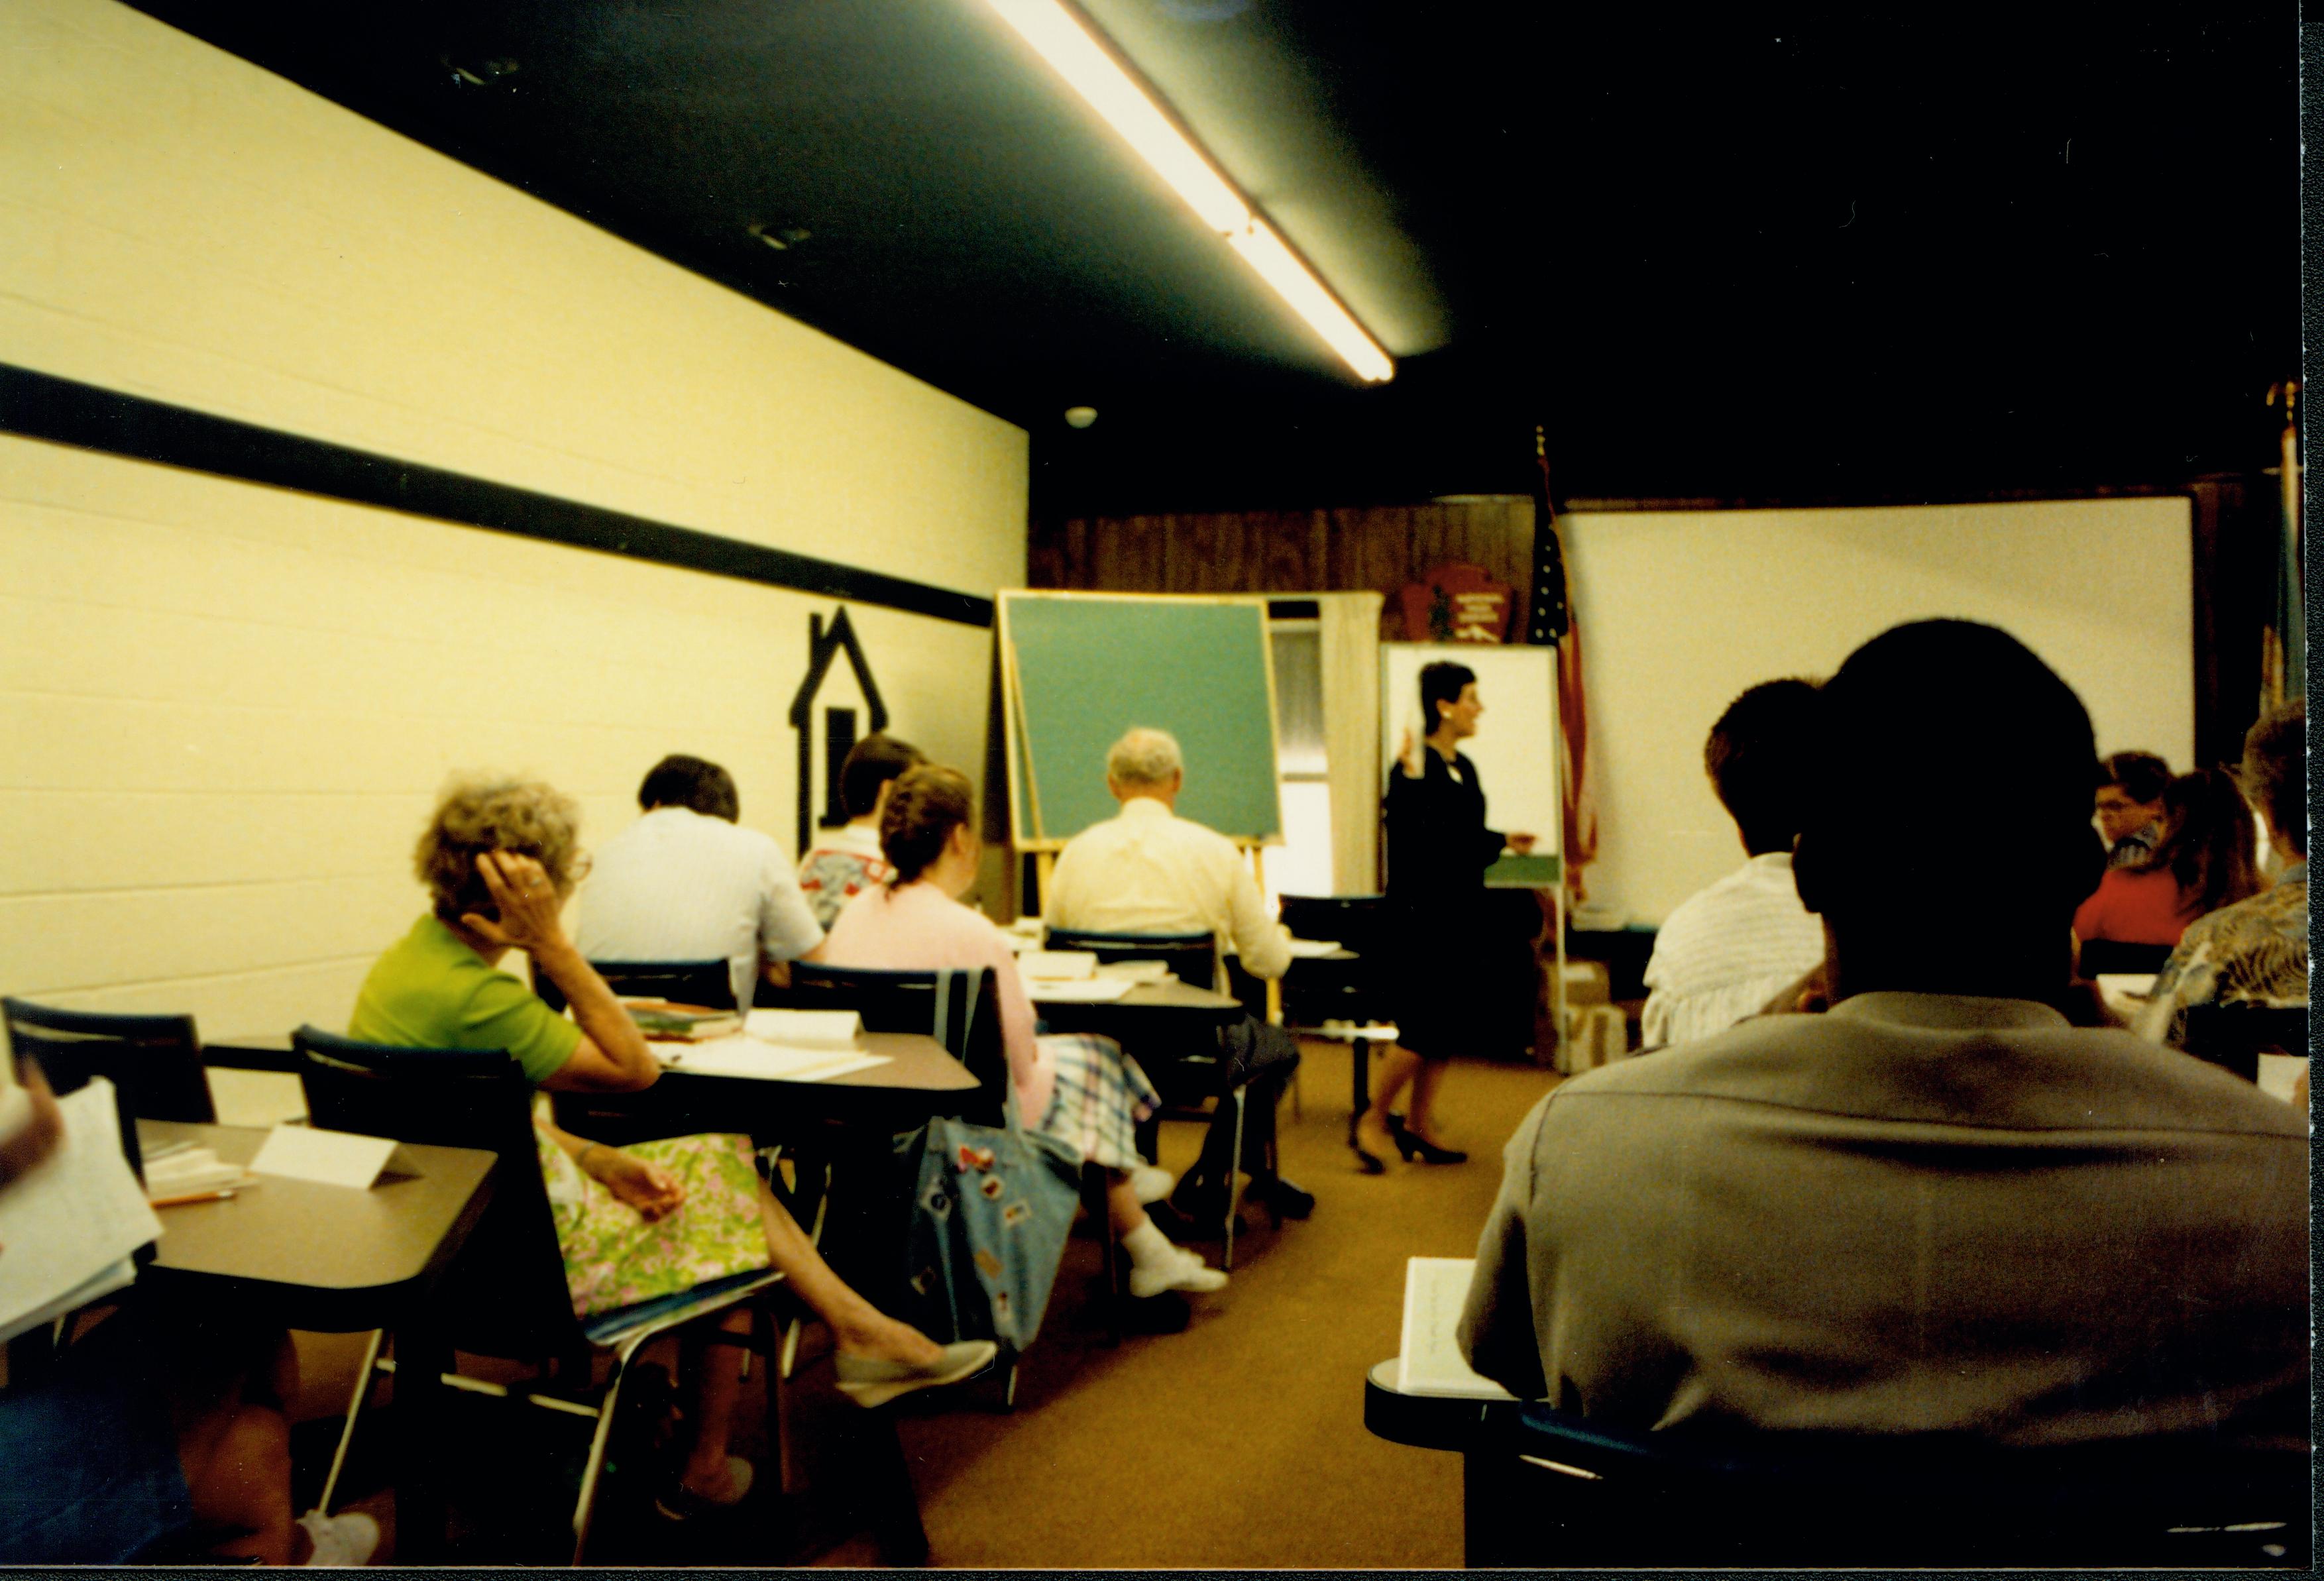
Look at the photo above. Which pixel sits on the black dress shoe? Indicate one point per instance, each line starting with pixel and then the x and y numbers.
pixel 1174 1220
pixel 1280 1198
pixel 1412 1146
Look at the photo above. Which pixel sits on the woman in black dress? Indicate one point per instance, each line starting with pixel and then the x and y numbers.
pixel 1438 848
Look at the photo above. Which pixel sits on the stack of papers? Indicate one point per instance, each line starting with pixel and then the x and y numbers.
pixel 1138 971
pixel 70 1226
pixel 1058 965
pixel 661 1018
pixel 181 1169
pixel 1429 1360
pixel 1312 949
pixel 1090 990
pixel 808 1029
pixel 758 1059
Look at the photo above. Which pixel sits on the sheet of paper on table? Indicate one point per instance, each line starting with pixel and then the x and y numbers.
pixel 1429 1360
pixel 1312 949
pixel 758 1059
pixel 1060 965
pixel 808 1029
pixel 70 1225
pixel 1091 990
pixel 329 1158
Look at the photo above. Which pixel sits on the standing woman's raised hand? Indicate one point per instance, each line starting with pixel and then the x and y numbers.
pixel 529 906
pixel 1407 753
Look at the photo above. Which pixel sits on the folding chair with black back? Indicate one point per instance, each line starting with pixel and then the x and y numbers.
pixel 707 983
pixel 1345 1000
pixel 2233 1035
pixel 506 1295
pixel 154 1062
pixel 1189 1070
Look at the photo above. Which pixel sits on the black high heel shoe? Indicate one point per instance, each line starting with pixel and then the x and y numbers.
pixel 1367 1162
pixel 1413 1146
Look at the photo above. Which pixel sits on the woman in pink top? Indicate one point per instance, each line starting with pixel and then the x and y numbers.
pixel 1080 1088
pixel 2203 862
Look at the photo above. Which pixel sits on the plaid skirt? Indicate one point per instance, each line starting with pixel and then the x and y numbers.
pixel 1100 1099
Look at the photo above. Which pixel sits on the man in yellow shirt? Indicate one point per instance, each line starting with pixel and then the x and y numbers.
pixel 1150 872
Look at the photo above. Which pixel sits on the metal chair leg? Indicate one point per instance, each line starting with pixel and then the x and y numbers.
pixel 586 1506
pixel 1093 1196
pixel 364 1376
pixel 766 1336
pixel 1234 1179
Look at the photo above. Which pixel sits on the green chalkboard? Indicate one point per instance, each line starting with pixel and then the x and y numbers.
pixel 1082 670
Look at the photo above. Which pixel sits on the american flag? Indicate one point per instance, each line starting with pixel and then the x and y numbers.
pixel 1551 624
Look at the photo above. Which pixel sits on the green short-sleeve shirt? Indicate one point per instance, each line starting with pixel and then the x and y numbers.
pixel 431 990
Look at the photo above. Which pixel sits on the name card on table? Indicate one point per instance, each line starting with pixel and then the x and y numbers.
pixel 330 1158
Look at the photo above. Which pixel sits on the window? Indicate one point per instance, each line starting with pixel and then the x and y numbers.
pixel 1301 865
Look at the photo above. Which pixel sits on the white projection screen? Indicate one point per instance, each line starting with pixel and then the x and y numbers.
pixel 1680 610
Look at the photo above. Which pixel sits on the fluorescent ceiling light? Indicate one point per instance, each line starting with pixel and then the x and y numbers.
pixel 1062 40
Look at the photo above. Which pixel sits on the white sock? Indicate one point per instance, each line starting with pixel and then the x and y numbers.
pixel 1148 1247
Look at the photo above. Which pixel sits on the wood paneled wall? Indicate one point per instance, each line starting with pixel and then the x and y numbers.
pixel 1378 547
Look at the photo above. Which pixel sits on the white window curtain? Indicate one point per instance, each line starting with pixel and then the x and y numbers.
pixel 1352 695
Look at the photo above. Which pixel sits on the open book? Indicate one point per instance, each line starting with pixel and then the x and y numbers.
pixel 1429 1360
pixel 69 1226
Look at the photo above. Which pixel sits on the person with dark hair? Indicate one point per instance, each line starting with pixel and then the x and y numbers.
pixel 686 882
pixel 845 862
pixel 696 784
pixel 2203 862
pixel 1078 1087
pixel 1937 1209
pixel 2129 805
pixel 2255 951
pixel 1724 952
pixel 1438 848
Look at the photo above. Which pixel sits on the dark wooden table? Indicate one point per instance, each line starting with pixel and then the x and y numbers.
pixel 1148 1010
pixel 338 1260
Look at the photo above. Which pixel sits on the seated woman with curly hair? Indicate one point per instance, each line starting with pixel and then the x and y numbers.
pixel 1078 1087
pixel 500 859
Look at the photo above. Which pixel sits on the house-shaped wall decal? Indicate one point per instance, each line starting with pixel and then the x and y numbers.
pixel 829 726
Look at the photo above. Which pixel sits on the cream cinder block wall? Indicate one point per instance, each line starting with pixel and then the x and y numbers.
pixel 231 705
pixel 181 224
pixel 1680 610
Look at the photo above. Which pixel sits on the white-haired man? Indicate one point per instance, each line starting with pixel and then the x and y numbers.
pixel 1150 872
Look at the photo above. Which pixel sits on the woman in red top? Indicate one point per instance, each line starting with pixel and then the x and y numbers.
pixel 2203 862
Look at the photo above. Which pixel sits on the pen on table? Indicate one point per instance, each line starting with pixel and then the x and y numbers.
pixel 220 1195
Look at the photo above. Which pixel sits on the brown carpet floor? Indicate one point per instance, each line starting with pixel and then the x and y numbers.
pixel 1240 1442
pixel 1237 1443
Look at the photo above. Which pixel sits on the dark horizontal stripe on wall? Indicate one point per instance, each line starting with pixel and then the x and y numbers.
pixel 45 407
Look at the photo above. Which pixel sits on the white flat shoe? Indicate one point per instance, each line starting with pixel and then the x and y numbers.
pixel 340 1541
pixel 869 1381
pixel 1183 1272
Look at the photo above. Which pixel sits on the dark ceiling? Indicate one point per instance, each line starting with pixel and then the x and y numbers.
pixel 1785 252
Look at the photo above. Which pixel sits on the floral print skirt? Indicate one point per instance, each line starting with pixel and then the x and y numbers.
pixel 615 1258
